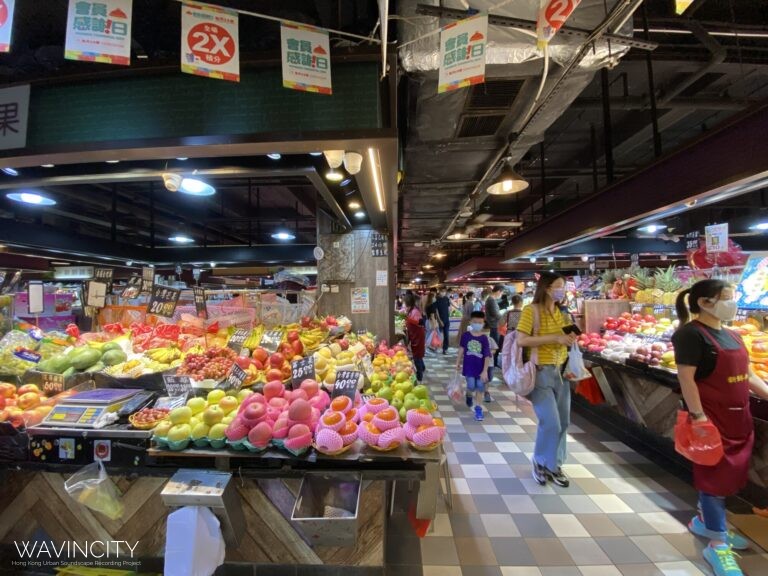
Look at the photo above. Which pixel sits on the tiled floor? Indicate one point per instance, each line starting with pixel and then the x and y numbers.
pixel 621 516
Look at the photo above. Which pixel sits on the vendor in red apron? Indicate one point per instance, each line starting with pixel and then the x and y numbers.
pixel 716 379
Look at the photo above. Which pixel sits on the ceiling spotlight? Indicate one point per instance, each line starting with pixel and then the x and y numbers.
pixel 195 187
pixel 213 264
pixel 533 259
pixel 274 156
pixel 181 239
pixel 283 236
pixel 334 176
pixel 440 255
pixel 759 226
pixel 507 182
pixel 31 198
pixel 360 215
pixel 417 279
pixel 315 153
pixel 457 236
pixel 585 258
pixel 129 263
pixel 335 158
pixel 113 161
pixel 465 212
pixel 47 165
pixel 346 181
pixel 354 205
pixel 353 162
pixel 182 159
pixel 550 258
pixel 428 266
pixel 10 171
pixel 652 228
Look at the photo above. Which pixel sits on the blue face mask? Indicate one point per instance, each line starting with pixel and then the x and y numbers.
pixel 558 294
pixel 476 326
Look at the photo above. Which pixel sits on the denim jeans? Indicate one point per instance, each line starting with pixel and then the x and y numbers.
pixel 495 336
pixel 446 333
pixel 713 513
pixel 551 398
pixel 475 384
pixel 419 364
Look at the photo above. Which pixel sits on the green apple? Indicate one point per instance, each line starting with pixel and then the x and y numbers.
pixel 213 415
pixel 228 418
pixel 217 431
pixel 228 403
pixel 411 402
pixel 200 431
pixel 179 432
pixel 403 414
pixel 215 395
pixel 180 415
pixel 399 394
pixel 162 428
pixel 377 385
pixel 421 391
pixel 397 403
pixel 427 405
pixel 197 405
pixel 387 393
pixel 243 394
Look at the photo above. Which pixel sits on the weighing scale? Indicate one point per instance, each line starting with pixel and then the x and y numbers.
pixel 87 409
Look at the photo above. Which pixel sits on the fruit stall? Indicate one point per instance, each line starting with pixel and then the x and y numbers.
pixel 282 409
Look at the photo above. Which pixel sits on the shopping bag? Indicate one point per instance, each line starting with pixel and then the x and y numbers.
pixel 575 369
pixel 92 487
pixel 454 388
pixel 435 339
pixel 699 442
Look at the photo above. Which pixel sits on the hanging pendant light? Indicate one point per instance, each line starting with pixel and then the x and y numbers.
pixel 507 182
pixel 353 162
pixel 334 157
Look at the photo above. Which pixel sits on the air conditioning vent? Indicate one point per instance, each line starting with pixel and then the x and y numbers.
pixel 484 125
pixel 494 95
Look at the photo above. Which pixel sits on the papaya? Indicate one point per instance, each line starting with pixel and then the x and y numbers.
pixel 114 357
pixel 98 367
pixel 69 372
pixel 85 358
pixel 111 346
pixel 44 366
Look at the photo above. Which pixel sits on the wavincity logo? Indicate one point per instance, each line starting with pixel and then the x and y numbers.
pixel 88 551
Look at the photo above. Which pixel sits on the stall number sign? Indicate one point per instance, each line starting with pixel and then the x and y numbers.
pixel 105 275
pixel 346 384
pixel 378 245
pixel 235 379
pixel 133 288
pixel 271 340
pixel 177 385
pixel 147 280
pixel 163 301
pixel 301 370
pixel 201 307
pixel 237 339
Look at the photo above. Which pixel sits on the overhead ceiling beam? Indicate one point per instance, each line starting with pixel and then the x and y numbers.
pixel 641 103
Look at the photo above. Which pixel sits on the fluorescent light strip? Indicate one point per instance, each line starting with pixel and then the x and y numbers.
pixel 373 156
pixel 711 33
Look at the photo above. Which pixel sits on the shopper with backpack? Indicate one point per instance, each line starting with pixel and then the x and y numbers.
pixel 540 331
pixel 474 361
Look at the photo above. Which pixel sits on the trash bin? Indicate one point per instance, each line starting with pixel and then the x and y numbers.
pixel 326 508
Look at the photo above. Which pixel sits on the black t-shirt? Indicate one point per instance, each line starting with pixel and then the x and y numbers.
pixel 692 348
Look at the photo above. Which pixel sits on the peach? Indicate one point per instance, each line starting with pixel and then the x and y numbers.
pixel 260 435
pixel 300 411
pixel 310 387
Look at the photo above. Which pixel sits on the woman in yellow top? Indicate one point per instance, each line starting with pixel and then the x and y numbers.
pixel 551 397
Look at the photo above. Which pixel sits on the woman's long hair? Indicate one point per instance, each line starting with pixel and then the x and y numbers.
pixel 545 281
pixel 703 289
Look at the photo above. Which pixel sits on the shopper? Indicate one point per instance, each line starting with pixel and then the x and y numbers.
pixel 480 302
pixel 715 378
pixel 474 360
pixel 430 310
pixel 443 309
pixel 466 314
pixel 513 316
pixel 551 396
pixel 417 334
pixel 493 314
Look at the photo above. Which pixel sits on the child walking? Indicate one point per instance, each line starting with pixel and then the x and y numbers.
pixel 417 334
pixel 474 361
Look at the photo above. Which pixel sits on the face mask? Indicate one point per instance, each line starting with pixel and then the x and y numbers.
pixel 476 327
pixel 558 294
pixel 724 310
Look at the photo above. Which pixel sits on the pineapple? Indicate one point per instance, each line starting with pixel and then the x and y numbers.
pixel 668 285
pixel 643 284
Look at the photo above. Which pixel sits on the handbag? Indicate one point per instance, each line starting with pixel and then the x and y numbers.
pixel 699 442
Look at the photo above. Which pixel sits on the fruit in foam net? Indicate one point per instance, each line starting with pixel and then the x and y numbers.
pixel 419 417
pixel 328 440
pixel 236 430
pixel 253 414
pixel 391 438
pixel 274 389
pixel 427 435
pixel 332 420
pixel 369 433
pixel 349 433
pixel 299 437
pixel 311 387
pixel 341 404
pixel 387 419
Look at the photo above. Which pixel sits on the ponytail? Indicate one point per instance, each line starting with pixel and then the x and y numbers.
pixel 709 289
pixel 683 314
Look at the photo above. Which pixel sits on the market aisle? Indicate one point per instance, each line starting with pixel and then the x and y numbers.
pixel 621 516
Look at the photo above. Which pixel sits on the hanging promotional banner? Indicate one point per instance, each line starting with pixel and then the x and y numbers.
pixel 462 53
pixel 14 113
pixel 306 55
pixel 716 238
pixel 99 31
pixel 6 24
pixel 210 42
pixel 552 17
pixel 681 6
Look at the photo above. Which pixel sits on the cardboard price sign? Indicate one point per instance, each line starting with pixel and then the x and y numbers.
pixel 301 370
pixel 48 382
pixel 133 288
pixel 105 275
pixel 237 339
pixel 97 294
pixel 147 280
pixel 367 366
pixel 271 340
pixel 201 306
pixel 347 382
pixel 163 301
pixel 235 379
pixel 177 385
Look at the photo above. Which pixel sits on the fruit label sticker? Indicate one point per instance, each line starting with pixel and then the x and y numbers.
pixel 301 370
pixel 201 306
pixel 234 381
pixel 237 340
pixel 177 386
pixel 271 340
pixel 163 301
pixel 347 382
pixel 133 288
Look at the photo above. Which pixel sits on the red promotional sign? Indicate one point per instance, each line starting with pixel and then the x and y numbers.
pixel 552 17
pixel 212 44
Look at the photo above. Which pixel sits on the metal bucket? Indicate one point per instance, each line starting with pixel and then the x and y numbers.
pixel 326 508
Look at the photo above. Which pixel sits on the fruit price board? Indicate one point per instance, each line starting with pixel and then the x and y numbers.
pixel 163 301
pixel 177 385
pixel 346 384
pixel 301 370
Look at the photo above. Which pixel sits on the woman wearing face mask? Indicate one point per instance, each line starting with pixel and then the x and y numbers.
pixel 541 327
pixel 715 379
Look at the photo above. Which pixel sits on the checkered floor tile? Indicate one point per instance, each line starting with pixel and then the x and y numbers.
pixel 621 516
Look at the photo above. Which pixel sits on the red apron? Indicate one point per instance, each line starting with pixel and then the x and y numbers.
pixel 725 399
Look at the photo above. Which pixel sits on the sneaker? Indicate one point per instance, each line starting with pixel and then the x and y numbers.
pixel 539 473
pixel 735 541
pixel 479 413
pixel 723 561
pixel 559 478
pixel 469 401
pixel 487 397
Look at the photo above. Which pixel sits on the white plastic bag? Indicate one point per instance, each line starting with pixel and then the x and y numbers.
pixel 92 487
pixel 455 388
pixel 194 545
pixel 575 370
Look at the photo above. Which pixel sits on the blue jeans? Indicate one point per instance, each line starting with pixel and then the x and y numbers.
pixel 713 513
pixel 419 364
pixel 475 384
pixel 551 398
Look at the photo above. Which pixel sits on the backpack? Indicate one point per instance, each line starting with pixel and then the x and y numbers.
pixel 519 375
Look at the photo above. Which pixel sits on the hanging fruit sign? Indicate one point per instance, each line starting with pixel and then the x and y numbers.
pixel 552 17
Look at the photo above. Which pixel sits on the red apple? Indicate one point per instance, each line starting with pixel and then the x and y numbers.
pixel 28 388
pixel 243 362
pixel 298 348
pixel 261 355
pixel 274 374
pixel 257 364
pixel 293 336
pixel 276 360
pixel 7 389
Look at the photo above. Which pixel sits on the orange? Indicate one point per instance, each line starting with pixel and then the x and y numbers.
pixel 332 418
pixel 349 428
pixel 388 414
pixel 368 417
pixel 341 404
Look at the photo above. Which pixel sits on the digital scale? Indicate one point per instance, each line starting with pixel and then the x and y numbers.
pixel 87 409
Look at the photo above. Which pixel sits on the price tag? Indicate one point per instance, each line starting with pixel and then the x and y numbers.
pixel 97 294
pixel 201 306
pixel 163 301
pixel 301 370
pixel 177 385
pixel 237 339
pixel 147 280
pixel 35 297
pixel 235 379
pixel 133 289
pixel 105 275
pixel 48 382
pixel 347 382
pixel 271 340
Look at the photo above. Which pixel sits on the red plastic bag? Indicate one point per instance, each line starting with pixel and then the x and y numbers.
pixel 436 340
pixel 699 442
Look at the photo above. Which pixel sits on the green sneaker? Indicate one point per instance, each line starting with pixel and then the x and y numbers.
pixel 723 561
pixel 736 541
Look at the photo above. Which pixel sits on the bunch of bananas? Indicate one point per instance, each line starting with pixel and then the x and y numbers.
pixel 311 339
pixel 164 355
pixel 254 339
pixel 129 369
